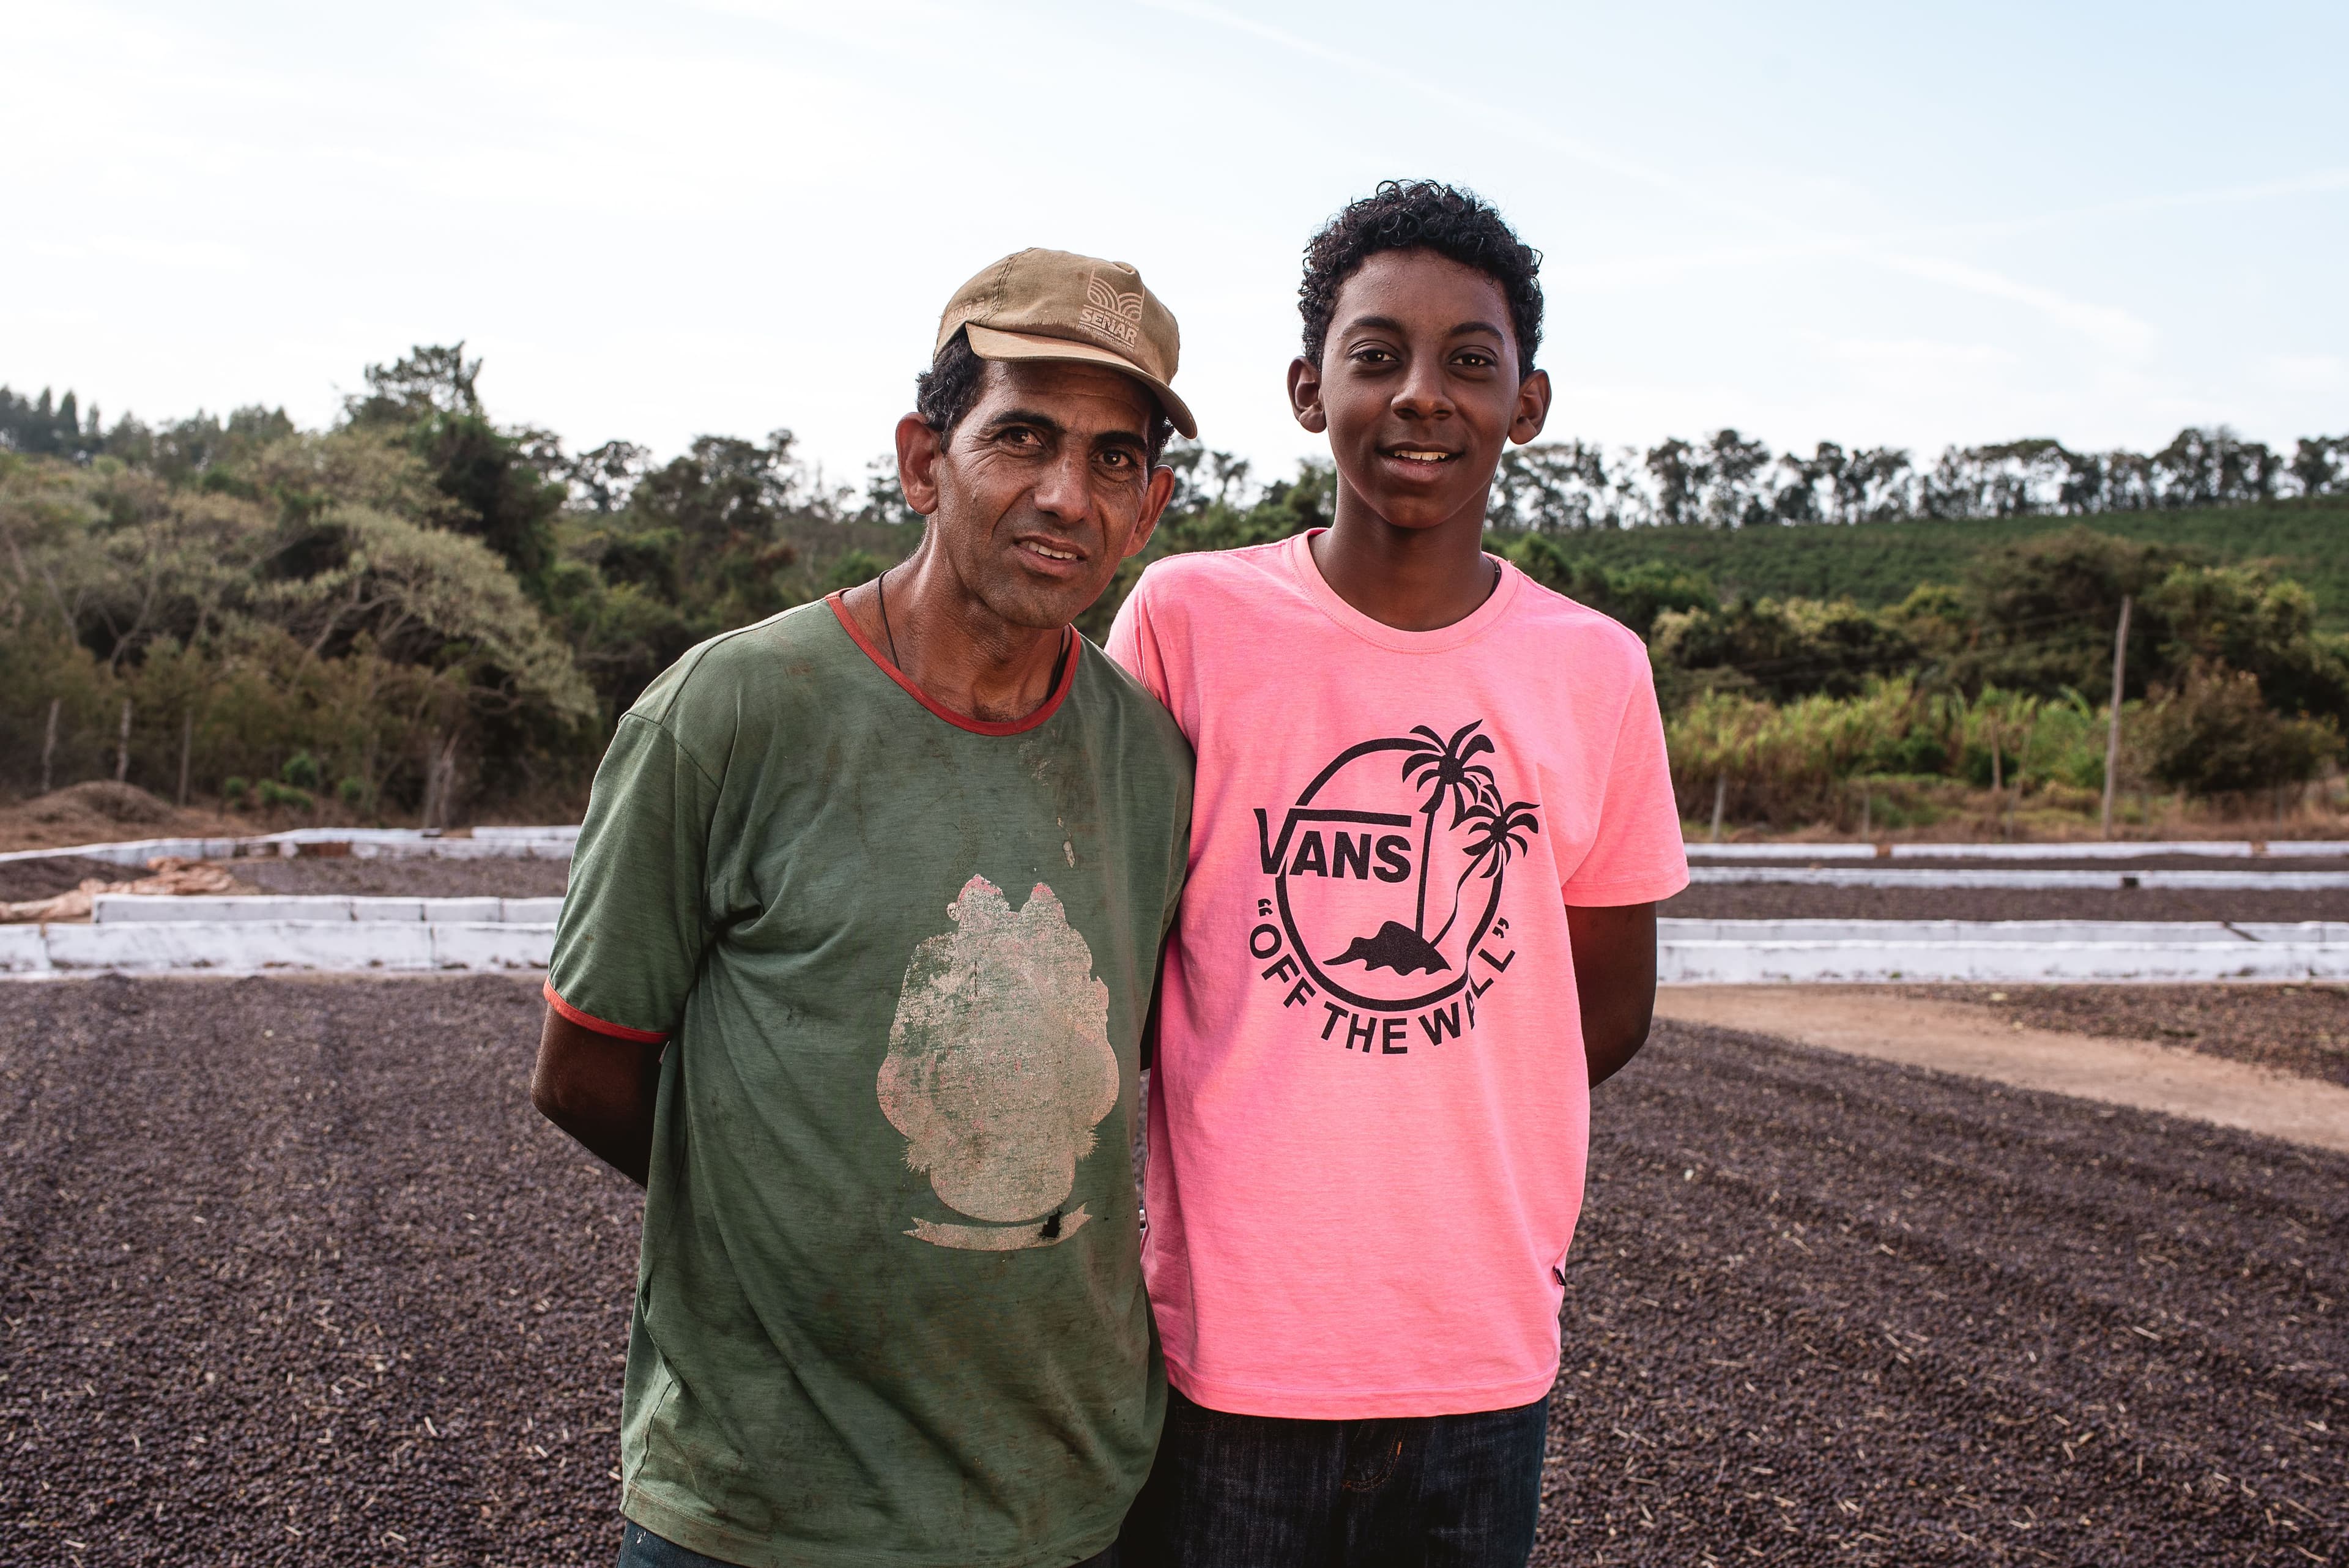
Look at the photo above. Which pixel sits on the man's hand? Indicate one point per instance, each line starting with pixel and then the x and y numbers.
pixel 1615 973
pixel 600 1090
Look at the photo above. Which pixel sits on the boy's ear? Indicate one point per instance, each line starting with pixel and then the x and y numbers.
pixel 1533 408
pixel 1305 395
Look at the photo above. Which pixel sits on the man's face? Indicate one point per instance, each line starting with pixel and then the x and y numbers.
pixel 1419 387
pixel 1041 489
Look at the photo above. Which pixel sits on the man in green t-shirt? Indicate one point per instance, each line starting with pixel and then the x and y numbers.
pixel 860 935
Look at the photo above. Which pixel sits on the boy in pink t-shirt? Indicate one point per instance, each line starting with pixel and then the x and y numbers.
pixel 1432 822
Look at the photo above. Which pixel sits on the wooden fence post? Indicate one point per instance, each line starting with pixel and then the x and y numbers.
pixel 49 743
pixel 2113 732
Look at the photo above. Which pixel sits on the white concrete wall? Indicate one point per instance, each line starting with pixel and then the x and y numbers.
pixel 365 844
pixel 1967 876
pixel 2108 933
pixel 1783 851
pixel 263 947
pixel 1713 952
pixel 2097 849
pixel 1767 962
pixel 118 908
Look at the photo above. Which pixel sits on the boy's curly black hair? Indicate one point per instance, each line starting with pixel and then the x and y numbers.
pixel 1423 215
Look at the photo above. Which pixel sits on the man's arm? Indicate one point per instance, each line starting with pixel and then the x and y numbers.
pixel 1615 974
pixel 600 1089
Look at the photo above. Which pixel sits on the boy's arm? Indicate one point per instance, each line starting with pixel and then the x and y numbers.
pixel 600 1090
pixel 1615 976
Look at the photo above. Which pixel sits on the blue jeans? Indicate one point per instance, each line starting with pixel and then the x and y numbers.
pixel 640 1548
pixel 1258 1491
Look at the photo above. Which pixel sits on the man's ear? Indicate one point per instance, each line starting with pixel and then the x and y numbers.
pixel 1153 507
pixel 1533 408
pixel 918 450
pixel 1305 395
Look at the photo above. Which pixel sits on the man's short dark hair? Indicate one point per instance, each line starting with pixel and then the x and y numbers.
pixel 1423 215
pixel 945 392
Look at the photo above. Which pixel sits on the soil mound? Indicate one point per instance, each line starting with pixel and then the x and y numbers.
pixel 99 811
pixel 123 804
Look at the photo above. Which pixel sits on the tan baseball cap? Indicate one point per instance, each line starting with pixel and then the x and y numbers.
pixel 1051 305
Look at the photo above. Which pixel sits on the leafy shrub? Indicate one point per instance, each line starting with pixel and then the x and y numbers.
pixel 2212 735
pixel 301 771
pixel 274 793
pixel 352 793
pixel 235 788
pixel 1788 649
pixel 1635 596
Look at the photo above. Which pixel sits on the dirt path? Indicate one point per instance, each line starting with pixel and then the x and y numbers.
pixel 1884 1024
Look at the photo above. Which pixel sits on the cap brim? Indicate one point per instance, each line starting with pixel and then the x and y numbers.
pixel 989 343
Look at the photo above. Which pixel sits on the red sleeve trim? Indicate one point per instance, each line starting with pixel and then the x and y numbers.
pixel 839 603
pixel 589 1020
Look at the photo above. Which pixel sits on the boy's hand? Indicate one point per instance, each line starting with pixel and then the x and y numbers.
pixel 1615 973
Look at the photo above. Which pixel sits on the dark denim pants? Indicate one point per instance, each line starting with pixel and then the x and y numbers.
pixel 1257 1491
pixel 640 1548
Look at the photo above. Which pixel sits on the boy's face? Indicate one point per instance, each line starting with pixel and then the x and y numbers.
pixel 1419 387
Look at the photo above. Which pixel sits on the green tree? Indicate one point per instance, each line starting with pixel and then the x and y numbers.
pixel 506 483
pixel 2239 617
pixel 1786 649
pixel 1634 594
pixel 2045 611
pixel 2212 735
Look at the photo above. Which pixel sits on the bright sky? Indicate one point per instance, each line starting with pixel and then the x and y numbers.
pixel 1907 224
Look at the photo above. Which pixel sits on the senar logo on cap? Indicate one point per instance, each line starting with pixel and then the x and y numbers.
pixel 1056 305
pixel 1114 315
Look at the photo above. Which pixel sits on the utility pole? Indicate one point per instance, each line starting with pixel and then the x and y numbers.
pixel 2113 732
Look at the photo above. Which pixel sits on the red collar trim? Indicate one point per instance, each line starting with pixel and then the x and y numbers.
pixel 838 602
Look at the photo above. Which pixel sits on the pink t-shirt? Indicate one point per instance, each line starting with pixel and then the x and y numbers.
pixel 1369 1114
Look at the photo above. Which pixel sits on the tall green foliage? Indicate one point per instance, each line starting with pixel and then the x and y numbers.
pixel 426 608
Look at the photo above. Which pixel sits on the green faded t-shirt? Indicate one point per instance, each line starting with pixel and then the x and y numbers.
pixel 890 1307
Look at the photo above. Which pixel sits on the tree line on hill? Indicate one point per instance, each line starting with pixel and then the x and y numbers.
pixel 423 612
pixel 1729 481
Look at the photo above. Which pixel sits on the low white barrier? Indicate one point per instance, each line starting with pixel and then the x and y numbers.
pixel 365 844
pixel 263 947
pixel 2104 934
pixel 1965 876
pixel 1765 960
pixel 1785 851
pixel 2094 850
pixel 1692 953
pixel 115 909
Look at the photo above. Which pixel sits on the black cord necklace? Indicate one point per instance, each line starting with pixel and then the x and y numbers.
pixel 881 588
pixel 881 593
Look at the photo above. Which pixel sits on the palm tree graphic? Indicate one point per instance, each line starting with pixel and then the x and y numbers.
pixel 1496 839
pixel 1445 770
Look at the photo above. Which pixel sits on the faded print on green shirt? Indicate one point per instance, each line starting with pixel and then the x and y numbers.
pixel 890 1308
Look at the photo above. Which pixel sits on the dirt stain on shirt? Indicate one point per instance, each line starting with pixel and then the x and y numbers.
pixel 999 1068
